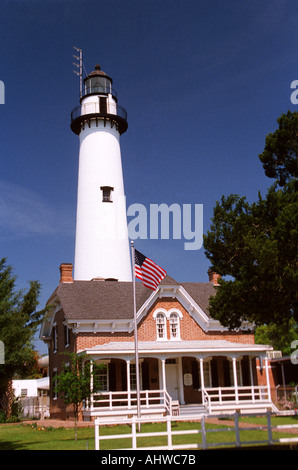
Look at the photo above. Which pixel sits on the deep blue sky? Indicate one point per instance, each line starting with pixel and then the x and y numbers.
pixel 203 82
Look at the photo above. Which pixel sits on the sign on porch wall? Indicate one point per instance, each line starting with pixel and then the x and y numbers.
pixel 188 379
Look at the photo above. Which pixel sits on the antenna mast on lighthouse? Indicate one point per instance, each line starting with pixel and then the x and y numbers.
pixel 79 65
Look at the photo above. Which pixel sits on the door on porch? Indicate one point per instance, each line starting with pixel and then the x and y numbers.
pixel 172 378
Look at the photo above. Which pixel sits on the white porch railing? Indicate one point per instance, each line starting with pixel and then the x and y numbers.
pixel 103 402
pixel 215 398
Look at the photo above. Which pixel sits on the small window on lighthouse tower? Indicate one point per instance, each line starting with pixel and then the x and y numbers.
pixel 107 193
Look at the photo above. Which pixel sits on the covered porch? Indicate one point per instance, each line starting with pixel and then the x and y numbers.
pixel 183 377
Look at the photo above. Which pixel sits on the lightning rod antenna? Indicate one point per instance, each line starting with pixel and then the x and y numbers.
pixel 79 65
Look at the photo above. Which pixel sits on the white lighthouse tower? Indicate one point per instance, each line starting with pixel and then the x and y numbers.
pixel 102 246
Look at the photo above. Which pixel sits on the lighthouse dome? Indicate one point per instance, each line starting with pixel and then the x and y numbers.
pixel 98 82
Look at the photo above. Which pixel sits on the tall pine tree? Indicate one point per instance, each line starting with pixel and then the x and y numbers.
pixel 255 246
pixel 19 321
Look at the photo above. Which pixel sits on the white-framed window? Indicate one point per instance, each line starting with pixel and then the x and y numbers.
pixel 174 326
pixel 102 378
pixel 133 376
pixel 207 373
pixel 167 321
pixel 161 329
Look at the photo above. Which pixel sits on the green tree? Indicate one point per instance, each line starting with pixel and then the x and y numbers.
pixel 280 339
pixel 19 321
pixel 279 157
pixel 254 246
pixel 77 381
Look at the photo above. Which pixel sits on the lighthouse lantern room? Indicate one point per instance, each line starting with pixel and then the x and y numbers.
pixel 101 246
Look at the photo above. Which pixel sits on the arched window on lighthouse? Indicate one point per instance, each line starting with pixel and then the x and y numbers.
pixel 107 193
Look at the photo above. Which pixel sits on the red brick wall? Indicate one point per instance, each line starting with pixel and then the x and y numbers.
pixel 189 330
pixel 58 409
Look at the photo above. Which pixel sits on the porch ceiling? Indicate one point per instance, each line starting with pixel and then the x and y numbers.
pixel 180 347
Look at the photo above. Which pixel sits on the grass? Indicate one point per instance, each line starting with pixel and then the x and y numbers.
pixel 31 437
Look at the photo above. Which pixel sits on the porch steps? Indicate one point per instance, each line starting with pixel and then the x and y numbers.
pixel 192 410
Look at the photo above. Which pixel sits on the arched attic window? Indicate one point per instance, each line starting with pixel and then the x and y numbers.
pixel 161 329
pixel 174 326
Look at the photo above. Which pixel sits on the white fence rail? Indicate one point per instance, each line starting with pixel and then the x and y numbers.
pixel 202 430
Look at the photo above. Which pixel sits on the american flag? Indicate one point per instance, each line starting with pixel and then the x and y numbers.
pixel 149 272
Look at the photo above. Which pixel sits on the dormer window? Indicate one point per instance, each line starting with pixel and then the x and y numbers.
pixel 167 324
pixel 107 193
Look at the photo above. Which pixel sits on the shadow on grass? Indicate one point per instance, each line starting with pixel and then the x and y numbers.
pixel 13 445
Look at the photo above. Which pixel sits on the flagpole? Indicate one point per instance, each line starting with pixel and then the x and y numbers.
pixel 135 331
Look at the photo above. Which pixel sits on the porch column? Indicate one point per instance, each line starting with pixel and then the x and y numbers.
pixel 283 379
pixel 163 369
pixel 235 379
pixel 267 378
pixel 202 373
pixel 180 381
pixel 91 384
pixel 128 383
pixel 251 379
pixel 201 361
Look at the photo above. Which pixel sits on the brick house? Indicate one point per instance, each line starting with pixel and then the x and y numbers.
pixel 186 358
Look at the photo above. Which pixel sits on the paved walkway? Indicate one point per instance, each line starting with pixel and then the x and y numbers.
pixel 57 423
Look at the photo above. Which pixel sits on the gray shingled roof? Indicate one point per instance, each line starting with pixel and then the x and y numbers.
pixel 101 300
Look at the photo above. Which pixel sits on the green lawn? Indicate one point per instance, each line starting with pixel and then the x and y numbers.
pixel 25 437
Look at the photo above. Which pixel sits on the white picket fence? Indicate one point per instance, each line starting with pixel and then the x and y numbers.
pixel 134 435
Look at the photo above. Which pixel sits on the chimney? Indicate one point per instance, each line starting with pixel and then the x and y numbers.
pixel 213 277
pixel 66 272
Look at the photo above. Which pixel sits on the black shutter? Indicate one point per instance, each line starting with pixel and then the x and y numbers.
pixel 123 376
pixel 195 375
pixel 214 373
pixel 145 376
pixel 226 372
pixel 245 371
pixel 112 377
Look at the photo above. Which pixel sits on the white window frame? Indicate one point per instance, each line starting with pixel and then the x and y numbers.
pixel 104 372
pixel 167 318
pixel 174 326
pixel 133 376
pixel 179 316
pixel 66 335
pixel 157 315
pixel 207 373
